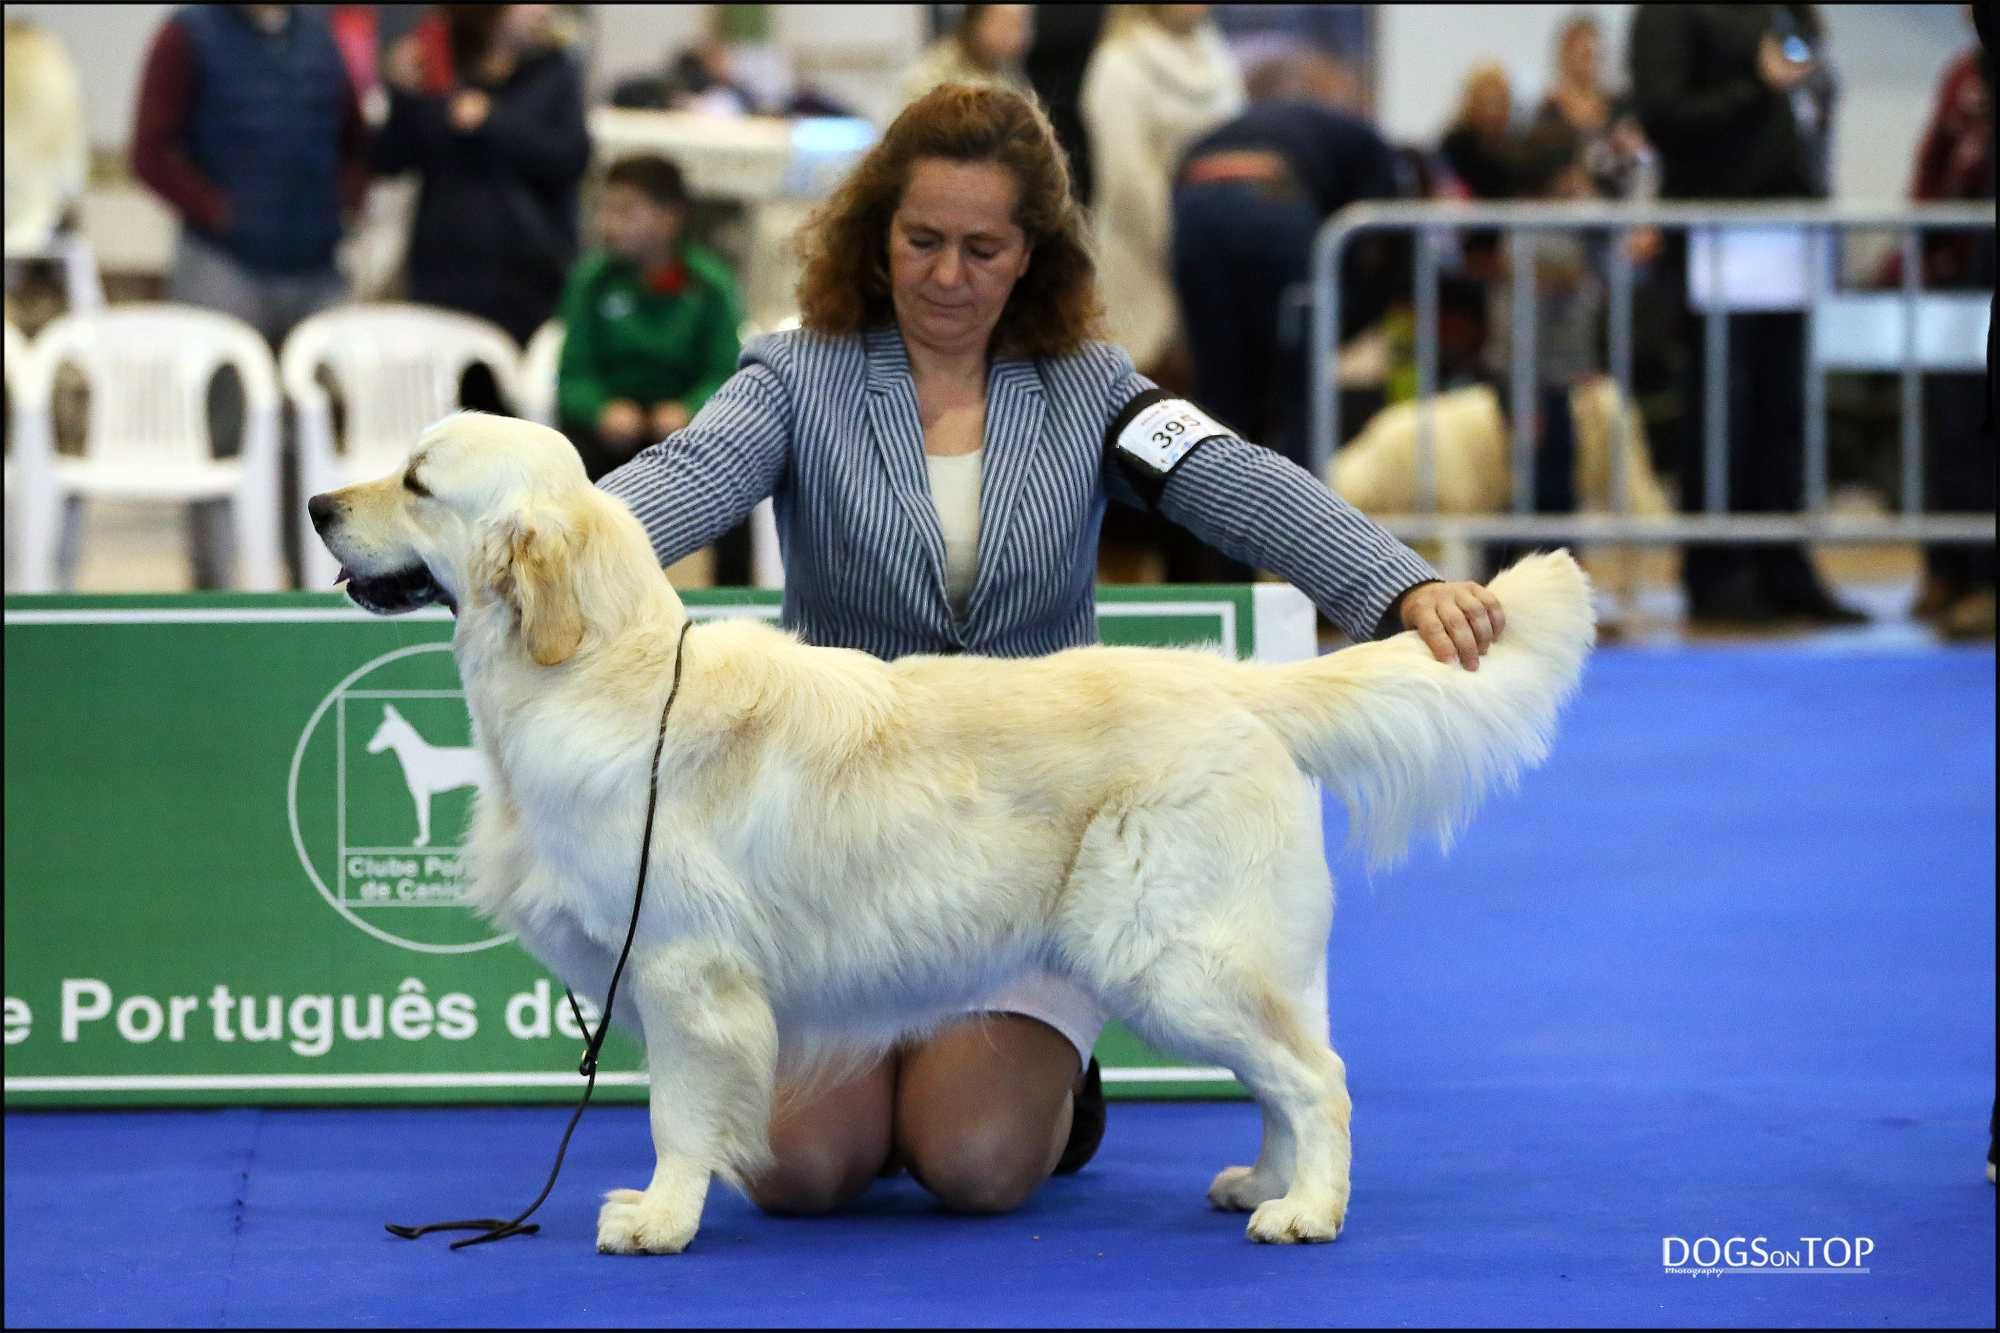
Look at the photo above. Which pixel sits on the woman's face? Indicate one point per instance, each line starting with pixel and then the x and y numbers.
pixel 1000 38
pixel 955 253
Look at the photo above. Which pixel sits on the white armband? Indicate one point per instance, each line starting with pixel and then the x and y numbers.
pixel 1151 436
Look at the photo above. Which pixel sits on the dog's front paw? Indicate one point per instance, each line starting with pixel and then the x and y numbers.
pixel 1289 1221
pixel 632 1222
pixel 1238 1189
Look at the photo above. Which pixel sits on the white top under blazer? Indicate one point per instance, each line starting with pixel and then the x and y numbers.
pixel 955 491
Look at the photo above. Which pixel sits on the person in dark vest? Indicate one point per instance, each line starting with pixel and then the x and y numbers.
pixel 500 157
pixel 249 128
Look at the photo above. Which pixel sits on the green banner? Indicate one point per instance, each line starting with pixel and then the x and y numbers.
pixel 233 871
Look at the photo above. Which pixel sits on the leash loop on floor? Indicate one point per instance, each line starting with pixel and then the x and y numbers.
pixel 491 1228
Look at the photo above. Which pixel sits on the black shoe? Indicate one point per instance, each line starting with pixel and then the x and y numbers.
pixel 1818 607
pixel 1086 1126
pixel 1793 586
pixel 1934 594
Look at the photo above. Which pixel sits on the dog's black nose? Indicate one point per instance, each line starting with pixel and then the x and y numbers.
pixel 321 509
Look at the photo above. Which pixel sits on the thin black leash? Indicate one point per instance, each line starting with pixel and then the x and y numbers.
pixel 492 1228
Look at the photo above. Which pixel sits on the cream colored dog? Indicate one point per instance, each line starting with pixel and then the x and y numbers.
pixel 848 849
pixel 1376 471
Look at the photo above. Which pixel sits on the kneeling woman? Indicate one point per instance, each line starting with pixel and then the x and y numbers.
pixel 940 440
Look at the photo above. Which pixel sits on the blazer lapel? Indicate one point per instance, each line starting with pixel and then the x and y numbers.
pixel 1014 407
pixel 898 432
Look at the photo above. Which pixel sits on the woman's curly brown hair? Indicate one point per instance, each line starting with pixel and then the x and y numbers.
pixel 1052 310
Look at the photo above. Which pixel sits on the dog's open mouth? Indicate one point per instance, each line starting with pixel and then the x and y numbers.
pixel 393 594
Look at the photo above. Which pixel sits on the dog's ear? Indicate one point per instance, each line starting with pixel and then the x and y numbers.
pixel 529 564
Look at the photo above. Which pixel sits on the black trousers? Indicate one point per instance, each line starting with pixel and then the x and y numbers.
pixel 1958 444
pixel 1764 438
pixel 1959 441
pixel 1555 465
pixel 1764 454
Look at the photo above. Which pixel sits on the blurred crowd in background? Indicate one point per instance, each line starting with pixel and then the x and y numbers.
pixel 1208 155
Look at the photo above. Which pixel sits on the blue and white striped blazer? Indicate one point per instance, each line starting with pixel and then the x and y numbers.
pixel 828 427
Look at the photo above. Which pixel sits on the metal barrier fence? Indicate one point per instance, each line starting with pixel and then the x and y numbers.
pixel 1911 332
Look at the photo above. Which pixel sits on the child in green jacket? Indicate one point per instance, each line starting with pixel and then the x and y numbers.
pixel 649 321
pixel 650 327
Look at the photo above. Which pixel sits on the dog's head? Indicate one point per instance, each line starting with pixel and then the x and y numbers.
pixel 492 512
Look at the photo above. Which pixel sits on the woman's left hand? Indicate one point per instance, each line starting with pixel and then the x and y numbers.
pixel 1457 621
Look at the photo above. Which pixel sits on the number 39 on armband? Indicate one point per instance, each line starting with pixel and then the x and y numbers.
pixel 1153 434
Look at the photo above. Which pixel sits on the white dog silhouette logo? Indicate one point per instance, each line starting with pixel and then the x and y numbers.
pixel 350 821
pixel 428 770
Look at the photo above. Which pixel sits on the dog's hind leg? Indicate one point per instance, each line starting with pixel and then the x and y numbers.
pixel 712 1052
pixel 1203 914
pixel 1233 1015
pixel 1243 1188
pixel 1240 978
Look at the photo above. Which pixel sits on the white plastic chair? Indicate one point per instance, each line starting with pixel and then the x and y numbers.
pixel 539 365
pixel 397 368
pixel 149 368
pixel 83 285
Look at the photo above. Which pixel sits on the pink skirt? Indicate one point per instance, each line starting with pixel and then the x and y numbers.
pixel 1055 1000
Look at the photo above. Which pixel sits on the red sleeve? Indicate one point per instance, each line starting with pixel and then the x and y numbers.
pixel 1935 151
pixel 435 40
pixel 166 95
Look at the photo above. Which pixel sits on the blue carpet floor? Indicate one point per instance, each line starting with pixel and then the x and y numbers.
pixel 1724 967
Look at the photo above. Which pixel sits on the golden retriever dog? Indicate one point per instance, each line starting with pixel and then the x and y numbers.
pixel 848 850
pixel 1376 471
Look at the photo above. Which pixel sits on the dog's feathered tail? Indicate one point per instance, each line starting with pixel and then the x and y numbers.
pixel 1411 744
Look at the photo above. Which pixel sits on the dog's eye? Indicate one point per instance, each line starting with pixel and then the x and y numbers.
pixel 415 487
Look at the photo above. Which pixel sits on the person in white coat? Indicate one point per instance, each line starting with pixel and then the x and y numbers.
pixel 48 151
pixel 1160 78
